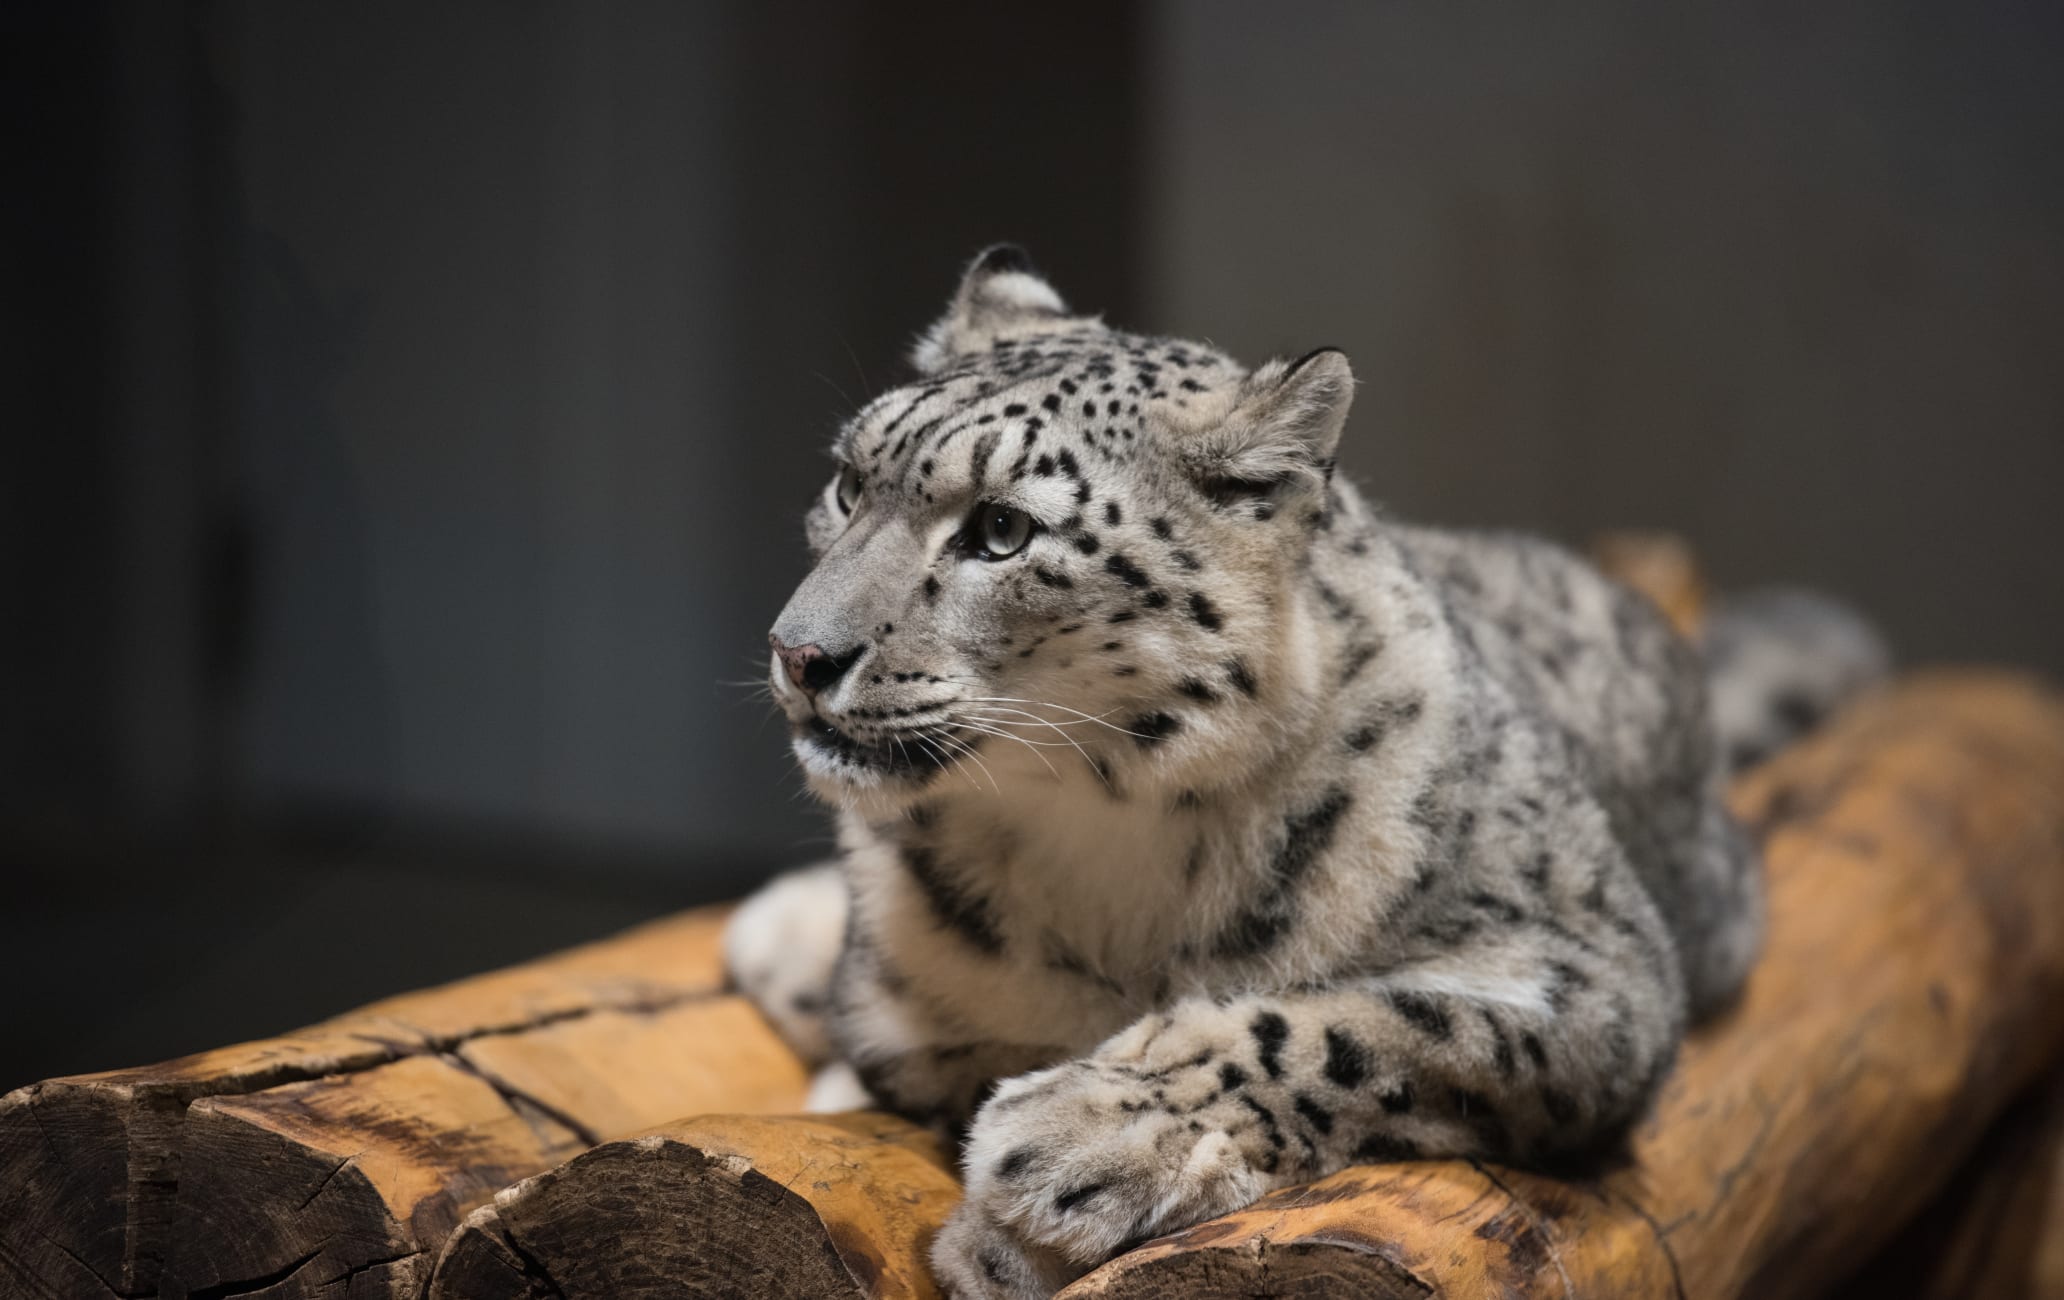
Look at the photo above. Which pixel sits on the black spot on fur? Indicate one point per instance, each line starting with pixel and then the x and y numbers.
pixel 1205 612
pixel 1500 908
pixel 1535 1052
pixel 1125 570
pixel 1052 579
pixel 1357 658
pixel 1501 1046
pixel 1314 1114
pixel 1381 1148
pixel 1016 1162
pixel 1421 1012
pixel 1347 1061
pixel 1306 836
pixel 1271 1128
pixel 1162 528
pixel 1397 1100
pixel 953 907
pixel 1150 729
pixel 1270 1032
pixel 931 588
pixel 1231 1078
pixel 1068 1200
pixel 1241 676
pixel 1112 514
pixel 1197 691
pixel 1086 543
pixel 1564 979
pixel 1481 1114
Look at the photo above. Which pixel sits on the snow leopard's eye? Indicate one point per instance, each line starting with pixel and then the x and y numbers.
pixel 997 532
pixel 849 485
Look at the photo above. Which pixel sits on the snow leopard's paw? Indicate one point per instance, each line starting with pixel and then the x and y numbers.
pixel 780 948
pixel 976 1258
pixel 1088 1157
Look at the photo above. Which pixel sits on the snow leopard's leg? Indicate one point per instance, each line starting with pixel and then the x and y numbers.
pixel 1531 1042
pixel 1724 893
pixel 780 948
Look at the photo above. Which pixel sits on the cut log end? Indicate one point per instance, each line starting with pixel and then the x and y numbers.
pixel 337 1160
pixel 823 1207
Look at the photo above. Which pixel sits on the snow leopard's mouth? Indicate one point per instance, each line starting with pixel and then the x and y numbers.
pixel 917 754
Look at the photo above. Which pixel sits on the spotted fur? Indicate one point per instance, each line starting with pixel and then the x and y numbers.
pixel 1229 832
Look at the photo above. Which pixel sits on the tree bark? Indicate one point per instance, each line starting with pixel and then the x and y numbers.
pixel 331 1159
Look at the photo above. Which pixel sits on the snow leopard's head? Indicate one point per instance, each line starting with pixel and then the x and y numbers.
pixel 1062 553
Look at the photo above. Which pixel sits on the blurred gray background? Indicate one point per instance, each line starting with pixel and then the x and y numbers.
pixel 409 408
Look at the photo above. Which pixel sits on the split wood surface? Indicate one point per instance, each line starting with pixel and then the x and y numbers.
pixel 1912 984
pixel 805 1208
pixel 337 1160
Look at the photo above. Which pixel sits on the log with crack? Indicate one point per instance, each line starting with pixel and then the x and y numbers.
pixel 336 1160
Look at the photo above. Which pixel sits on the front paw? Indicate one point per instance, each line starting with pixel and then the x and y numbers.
pixel 976 1258
pixel 1088 1157
pixel 780 948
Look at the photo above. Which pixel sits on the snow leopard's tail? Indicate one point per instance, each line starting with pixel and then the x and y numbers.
pixel 1780 660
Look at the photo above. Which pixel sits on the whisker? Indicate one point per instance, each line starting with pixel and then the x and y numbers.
pixel 1097 718
pixel 955 759
pixel 976 759
pixel 1033 745
pixel 1039 721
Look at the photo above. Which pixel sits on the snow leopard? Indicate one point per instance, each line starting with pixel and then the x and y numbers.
pixel 1205 829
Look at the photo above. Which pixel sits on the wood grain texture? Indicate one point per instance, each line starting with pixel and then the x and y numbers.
pixel 1997 1229
pixel 815 1206
pixel 118 1183
pixel 1914 981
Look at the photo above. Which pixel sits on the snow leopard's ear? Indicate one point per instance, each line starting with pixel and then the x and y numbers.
pixel 1279 429
pixel 1000 292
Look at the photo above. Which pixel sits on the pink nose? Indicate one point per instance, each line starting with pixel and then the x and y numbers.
pixel 808 666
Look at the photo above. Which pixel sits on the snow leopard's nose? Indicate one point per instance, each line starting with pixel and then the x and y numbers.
pixel 811 667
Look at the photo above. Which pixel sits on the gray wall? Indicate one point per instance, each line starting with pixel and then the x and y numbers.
pixel 1786 278
pixel 484 406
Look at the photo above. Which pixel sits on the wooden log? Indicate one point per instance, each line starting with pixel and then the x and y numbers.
pixel 1914 980
pixel 372 1133
pixel 812 1207
pixel 1997 1229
